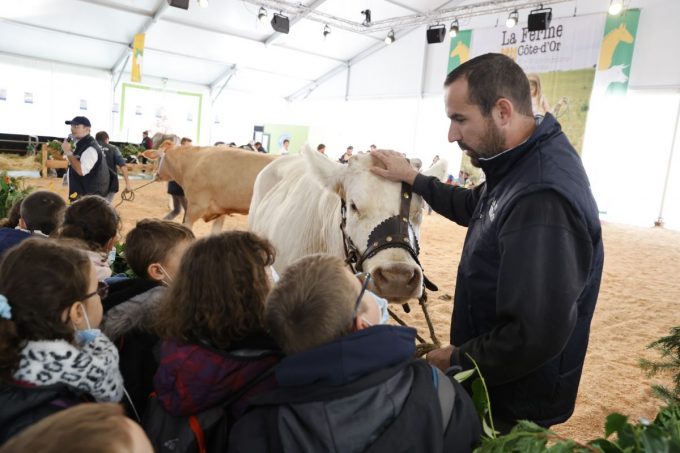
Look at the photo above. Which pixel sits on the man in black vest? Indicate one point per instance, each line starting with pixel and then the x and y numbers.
pixel 531 265
pixel 88 173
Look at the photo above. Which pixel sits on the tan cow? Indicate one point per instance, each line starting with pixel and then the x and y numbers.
pixel 217 181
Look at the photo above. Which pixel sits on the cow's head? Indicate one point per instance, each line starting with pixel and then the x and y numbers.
pixel 161 168
pixel 370 200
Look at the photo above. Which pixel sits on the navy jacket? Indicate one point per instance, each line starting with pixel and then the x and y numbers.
pixel 529 274
pixel 362 392
pixel 9 237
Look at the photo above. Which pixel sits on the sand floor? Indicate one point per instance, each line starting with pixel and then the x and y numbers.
pixel 638 303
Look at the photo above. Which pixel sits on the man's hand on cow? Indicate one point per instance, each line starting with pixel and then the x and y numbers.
pixel 397 168
pixel 441 358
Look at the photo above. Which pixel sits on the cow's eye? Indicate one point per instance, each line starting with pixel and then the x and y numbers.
pixel 353 207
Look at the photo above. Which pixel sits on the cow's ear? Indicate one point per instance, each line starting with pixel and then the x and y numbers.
pixel 439 169
pixel 416 163
pixel 326 171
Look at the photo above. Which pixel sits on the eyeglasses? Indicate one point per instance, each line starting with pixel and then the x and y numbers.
pixel 102 290
pixel 365 279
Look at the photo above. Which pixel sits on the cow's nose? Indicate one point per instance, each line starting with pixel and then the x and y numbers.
pixel 397 280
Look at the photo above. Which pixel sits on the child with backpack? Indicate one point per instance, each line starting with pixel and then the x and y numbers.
pixel 216 353
pixel 52 354
pixel 153 250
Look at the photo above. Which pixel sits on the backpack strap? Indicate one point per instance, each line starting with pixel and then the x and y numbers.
pixel 445 393
pixel 195 426
pixel 247 387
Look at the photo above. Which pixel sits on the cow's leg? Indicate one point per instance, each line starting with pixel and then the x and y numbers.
pixel 192 214
pixel 217 225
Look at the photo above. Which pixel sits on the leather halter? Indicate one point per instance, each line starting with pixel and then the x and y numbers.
pixel 394 232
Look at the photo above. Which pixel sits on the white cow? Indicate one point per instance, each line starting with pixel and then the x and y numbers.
pixel 296 205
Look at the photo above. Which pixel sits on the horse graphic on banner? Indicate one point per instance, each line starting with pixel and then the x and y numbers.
pixel 609 43
pixel 461 51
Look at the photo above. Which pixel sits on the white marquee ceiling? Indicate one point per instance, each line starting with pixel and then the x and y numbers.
pixel 222 42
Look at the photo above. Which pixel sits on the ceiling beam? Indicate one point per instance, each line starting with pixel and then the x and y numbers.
pixel 308 89
pixel 122 59
pixel 312 6
pixel 406 7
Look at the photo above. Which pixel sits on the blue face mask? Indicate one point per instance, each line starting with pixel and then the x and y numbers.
pixel 382 304
pixel 88 335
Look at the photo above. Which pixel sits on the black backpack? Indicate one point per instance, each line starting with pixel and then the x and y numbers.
pixel 207 431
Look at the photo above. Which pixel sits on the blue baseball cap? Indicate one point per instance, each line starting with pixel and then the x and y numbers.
pixel 79 120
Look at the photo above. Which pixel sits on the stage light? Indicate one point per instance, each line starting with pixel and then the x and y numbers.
pixel 367 17
pixel 539 19
pixel 280 23
pixel 615 7
pixel 454 29
pixel 326 31
pixel 513 18
pixel 389 39
pixel 262 15
pixel 435 34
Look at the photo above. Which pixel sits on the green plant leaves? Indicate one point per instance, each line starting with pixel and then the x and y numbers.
pixel 614 423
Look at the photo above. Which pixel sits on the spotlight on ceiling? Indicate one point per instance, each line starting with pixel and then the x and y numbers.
pixel 326 31
pixel 539 19
pixel 435 34
pixel 184 4
pixel 512 19
pixel 262 15
pixel 454 29
pixel 280 23
pixel 367 17
pixel 615 7
pixel 389 39
pixel 203 3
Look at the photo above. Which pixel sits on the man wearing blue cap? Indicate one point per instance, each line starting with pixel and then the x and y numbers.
pixel 88 173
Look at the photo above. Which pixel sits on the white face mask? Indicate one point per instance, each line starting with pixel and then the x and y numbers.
pixel 382 306
pixel 111 257
pixel 167 275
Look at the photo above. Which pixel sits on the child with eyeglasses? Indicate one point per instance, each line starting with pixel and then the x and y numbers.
pixel 52 354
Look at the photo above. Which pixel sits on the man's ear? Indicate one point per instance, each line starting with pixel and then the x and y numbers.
pixel 22 224
pixel 504 110
pixel 155 272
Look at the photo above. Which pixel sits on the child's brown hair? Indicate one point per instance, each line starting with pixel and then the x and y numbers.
pixel 220 290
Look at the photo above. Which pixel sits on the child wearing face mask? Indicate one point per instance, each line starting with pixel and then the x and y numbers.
pixel 52 354
pixel 94 221
pixel 215 343
pixel 153 250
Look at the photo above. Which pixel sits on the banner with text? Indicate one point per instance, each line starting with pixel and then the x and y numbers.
pixel 559 61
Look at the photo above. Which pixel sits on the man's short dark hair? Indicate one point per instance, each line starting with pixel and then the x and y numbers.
pixel 43 210
pixel 493 76
pixel 320 147
pixel 286 141
pixel 150 241
pixel 185 140
pixel 101 136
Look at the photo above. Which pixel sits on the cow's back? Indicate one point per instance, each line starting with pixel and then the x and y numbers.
pixel 291 209
pixel 222 180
